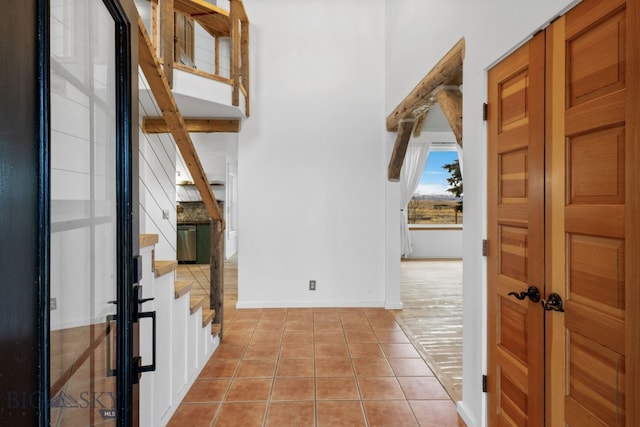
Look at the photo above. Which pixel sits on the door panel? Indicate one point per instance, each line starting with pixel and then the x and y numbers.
pixel 91 357
pixel 590 370
pixel 84 217
pixel 591 277
pixel 516 230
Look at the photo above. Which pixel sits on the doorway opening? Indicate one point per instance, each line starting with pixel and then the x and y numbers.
pixel 429 124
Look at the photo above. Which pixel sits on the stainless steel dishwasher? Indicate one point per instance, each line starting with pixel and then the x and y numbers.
pixel 186 243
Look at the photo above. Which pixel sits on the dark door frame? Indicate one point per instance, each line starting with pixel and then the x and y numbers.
pixel 24 227
pixel 25 220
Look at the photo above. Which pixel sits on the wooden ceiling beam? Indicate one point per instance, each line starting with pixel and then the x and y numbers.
pixel 195 125
pixel 400 149
pixel 448 71
pixel 152 70
pixel 450 100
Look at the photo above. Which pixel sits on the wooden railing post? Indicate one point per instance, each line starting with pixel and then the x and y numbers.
pixel 235 50
pixel 216 47
pixel 217 273
pixel 167 38
pixel 244 46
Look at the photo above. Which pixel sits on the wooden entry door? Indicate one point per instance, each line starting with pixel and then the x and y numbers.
pixel 585 370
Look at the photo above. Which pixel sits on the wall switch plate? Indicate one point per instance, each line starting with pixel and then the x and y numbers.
pixel 312 285
pixel 165 214
pixel 53 304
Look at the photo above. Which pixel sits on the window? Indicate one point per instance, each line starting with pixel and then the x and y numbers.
pixel 435 201
pixel 184 36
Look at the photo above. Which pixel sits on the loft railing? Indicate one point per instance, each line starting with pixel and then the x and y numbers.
pixel 240 53
pixel 203 39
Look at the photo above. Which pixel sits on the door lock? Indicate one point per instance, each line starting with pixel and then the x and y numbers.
pixel 553 304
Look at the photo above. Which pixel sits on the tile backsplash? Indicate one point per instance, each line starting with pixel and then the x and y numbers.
pixel 194 211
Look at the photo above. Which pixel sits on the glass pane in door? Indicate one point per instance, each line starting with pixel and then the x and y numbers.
pixel 83 214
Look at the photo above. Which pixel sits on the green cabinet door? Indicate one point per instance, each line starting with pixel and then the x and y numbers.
pixel 203 243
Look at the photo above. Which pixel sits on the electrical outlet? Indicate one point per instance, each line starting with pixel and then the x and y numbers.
pixel 53 304
pixel 312 285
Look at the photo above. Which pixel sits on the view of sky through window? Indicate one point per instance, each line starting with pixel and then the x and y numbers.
pixel 434 177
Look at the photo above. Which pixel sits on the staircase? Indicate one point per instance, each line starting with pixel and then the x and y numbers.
pixel 185 336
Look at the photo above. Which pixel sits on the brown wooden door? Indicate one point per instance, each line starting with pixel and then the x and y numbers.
pixel 516 236
pixel 567 224
pixel 587 256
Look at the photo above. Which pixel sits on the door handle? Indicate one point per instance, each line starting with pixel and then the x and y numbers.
pixel 553 304
pixel 137 365
pixel 533 293
pixel 152 366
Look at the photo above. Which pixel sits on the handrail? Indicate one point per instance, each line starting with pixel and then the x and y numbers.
pixel 201 73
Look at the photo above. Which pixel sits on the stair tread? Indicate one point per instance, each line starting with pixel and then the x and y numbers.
pixel 181 287
pixel 164 267
pixel 207 316
pixel 148 240
pixel 197 302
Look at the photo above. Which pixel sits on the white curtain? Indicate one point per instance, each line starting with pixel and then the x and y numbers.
pixel 412 168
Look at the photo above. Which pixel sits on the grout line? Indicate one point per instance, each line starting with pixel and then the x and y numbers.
pixel 370 319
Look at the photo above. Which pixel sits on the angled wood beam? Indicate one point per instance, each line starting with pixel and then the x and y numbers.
pixel 164 97
pixel 399 149
pixel 195 125
pixel 448 71
pixel 450 100
pixel 417 127
pixel 168 38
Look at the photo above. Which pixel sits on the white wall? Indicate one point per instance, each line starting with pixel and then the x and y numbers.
pixel 216 150
pixel 205 53
pixel 311 160
pixel 231 209
pixel 491 29
pixel 219 152
pixel 157 160
pixel 436 242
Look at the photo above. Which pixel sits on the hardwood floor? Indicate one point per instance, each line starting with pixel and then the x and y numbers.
pixel 431 292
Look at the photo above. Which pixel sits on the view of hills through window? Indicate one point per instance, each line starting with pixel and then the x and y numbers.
pixel 432 202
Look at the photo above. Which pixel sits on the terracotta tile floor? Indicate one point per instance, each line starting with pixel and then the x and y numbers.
pixel 312 367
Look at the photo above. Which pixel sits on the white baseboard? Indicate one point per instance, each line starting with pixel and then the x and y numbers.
pixel 394 306
pixel 310 304
pixel 468 419
pixel 183 392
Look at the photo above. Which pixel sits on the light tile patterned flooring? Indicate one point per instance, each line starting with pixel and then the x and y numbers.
pixel 313 367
